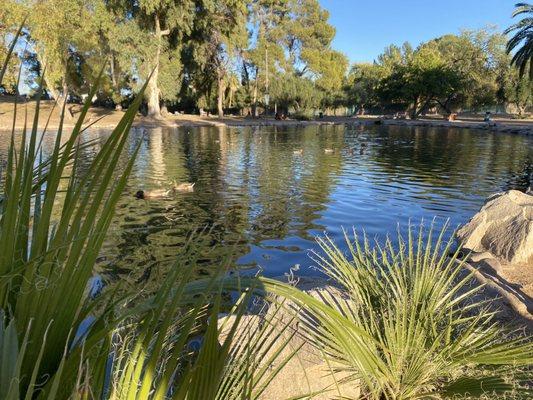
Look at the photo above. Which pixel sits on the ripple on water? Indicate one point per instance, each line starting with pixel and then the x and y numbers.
pixel 261 204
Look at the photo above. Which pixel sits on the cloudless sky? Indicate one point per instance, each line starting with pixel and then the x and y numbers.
pixel 365 28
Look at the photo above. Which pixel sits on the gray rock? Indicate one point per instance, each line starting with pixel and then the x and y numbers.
pixel 503 227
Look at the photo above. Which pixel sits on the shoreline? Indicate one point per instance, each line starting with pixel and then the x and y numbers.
pixel 100 118
pixel 517 128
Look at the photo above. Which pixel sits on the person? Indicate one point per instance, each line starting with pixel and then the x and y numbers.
pixel 487 116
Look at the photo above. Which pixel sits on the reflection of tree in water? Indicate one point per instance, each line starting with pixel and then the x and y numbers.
pixel 451 157
pixel 288 190
pixel 249 187
pixel 258 198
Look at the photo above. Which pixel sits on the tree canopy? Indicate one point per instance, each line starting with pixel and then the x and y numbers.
pixel 253 56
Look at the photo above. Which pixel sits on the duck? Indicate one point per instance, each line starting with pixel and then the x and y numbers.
pixel 152 194
pixel 298 152
pixel 328 151
pixel 183 187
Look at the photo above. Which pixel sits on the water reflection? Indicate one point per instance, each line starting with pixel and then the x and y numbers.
pixel 263 202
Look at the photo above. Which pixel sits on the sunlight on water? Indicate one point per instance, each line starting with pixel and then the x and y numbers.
pixel 265 193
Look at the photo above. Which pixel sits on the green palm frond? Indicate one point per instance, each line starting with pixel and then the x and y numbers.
pixel 522 40
pixel 406 323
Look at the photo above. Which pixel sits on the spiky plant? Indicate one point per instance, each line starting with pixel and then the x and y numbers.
pixel 158 360
pixel 49 242
pixel 56 341
pixel 408 325
pixel 522 40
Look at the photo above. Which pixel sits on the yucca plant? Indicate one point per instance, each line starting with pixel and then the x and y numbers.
pixel 49 243
pixel 58 342
pixel 48 246
pixel 158 359
pixel 408 325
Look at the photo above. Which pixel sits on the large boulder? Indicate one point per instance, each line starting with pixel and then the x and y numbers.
pixel 503 227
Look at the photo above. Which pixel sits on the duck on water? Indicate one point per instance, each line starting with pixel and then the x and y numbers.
pixel 161 193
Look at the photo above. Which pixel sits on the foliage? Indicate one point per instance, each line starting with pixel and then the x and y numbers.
pixel 291 92
pixel 407 324
pixel 292 39
pixel 518 90
pixel 522 41
pixel 57 336
pixel 450 73
pixel 362 83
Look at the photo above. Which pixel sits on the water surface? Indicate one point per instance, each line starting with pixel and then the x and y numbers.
pixel 263 204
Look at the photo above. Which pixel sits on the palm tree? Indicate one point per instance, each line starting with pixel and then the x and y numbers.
pixel 522 41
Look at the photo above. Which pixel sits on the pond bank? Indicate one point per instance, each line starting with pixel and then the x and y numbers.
pixel 522 127
pixel 103 118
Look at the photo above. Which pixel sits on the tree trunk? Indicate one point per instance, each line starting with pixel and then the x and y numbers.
pixel 413 111
pixel 230 99
pixel 254 105
pixel 154 108
pixel 153 92
pixel 60 98
pixel 220 95
pixel 114 81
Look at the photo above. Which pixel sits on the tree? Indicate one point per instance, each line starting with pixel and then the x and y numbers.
pixel 292 41
pixel 519 91
pixel 363 81
pixel 422 81
pixel 290 91
pixel 211 49
pixel 522 41
pixel 162 25
pixel 451 72
pixel 7 28
pixel 473 56
pixel 62 36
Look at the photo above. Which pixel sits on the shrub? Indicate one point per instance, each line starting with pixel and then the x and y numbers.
pixel 409 326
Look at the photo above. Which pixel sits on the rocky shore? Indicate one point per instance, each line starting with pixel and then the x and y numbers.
pixel 499 239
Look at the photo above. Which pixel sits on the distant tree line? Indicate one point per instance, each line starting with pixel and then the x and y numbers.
pixel 469 71
pixel 245 56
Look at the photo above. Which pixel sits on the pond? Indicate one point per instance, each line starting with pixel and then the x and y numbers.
pixel 263 194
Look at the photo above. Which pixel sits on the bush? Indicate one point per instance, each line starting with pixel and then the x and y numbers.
pixel 409 326
pixel 303 116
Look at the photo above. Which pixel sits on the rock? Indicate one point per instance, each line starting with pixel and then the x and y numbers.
pixel 307 371
pixel 503 227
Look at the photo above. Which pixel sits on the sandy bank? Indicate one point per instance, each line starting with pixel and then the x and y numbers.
pixel 106 119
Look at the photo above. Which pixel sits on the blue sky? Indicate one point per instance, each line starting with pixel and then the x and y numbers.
pixel 365 28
